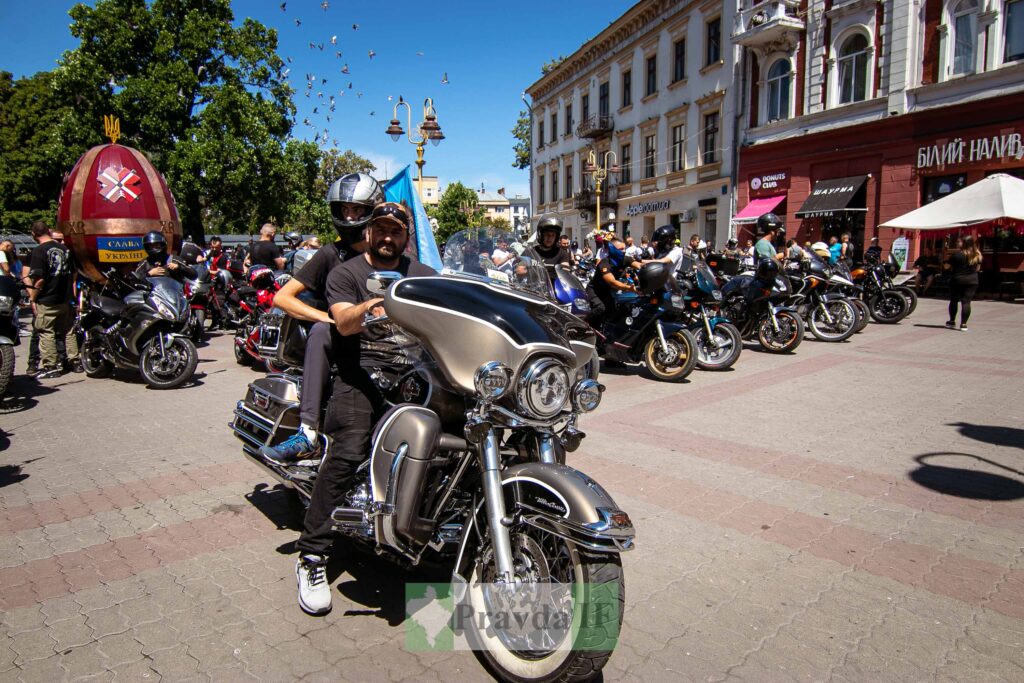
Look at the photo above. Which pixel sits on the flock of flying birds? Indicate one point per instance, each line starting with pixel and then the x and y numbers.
pixel 325 97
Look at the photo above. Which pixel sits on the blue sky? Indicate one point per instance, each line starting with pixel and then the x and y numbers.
pixel 490 52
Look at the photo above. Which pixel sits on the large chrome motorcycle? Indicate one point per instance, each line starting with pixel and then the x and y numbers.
pixel 467 467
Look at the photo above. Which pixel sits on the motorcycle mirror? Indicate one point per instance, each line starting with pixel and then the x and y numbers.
pixel 379 281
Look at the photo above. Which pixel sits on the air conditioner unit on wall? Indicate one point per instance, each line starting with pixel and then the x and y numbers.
pixel 686 216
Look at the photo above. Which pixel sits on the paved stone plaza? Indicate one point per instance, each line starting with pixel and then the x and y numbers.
pixel 851 512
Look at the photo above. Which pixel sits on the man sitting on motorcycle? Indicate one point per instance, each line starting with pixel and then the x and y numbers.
pixel 158 263
pixel 351 198
pixel 665 248
pixel 607 280
pixel 549 230
pixel 356 403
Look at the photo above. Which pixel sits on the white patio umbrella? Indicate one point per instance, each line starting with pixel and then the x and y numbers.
pixel 995 197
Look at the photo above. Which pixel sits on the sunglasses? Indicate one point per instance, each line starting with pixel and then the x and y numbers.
pixel 392 210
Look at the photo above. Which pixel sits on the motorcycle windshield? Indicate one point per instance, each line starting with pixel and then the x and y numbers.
pixel 706 279
pixel 168 290
pixel 497 257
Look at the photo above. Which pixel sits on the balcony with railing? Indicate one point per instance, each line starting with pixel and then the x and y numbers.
pixel 595 126
pixel 767 21
pixel 587 197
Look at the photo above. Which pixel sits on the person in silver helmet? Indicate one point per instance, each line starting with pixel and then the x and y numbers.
pixel 351 199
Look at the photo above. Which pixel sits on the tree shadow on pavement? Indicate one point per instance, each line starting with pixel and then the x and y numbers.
pixel 1000 436
pixel 12 474
pixel 967 483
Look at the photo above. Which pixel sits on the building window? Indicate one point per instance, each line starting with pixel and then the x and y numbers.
pixel 540 134
pixel 710 155
pixel 778 90
pixel 652 75
pixel 627 88
pixel 602 99
pixel 710 227
pixel 568 118
pixel 713 41
pixel 540 189
pixel 650 155
pixel 554 126
pixel 853 69
pixel 568 180
pixel 679 61
pixel 937 187
pixel 626 173
pixel 1014 31
pixel 554 185
pixel 678 152
pixel 965 36
pixel 585 100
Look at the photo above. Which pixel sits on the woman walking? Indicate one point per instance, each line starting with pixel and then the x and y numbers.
pixel 963 280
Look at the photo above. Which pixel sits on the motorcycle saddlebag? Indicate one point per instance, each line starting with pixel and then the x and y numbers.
pixel 275 399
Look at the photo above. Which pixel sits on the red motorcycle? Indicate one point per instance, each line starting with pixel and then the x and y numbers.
pixel 255 300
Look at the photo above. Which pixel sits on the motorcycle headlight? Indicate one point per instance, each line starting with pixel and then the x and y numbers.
pixel 492 380
pixel 164 310
pixel 581 304
pixel 586 395
pixel 544 388
pixel 716 295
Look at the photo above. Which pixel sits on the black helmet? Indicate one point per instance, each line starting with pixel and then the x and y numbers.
pixel 354 188
pixel 664 237
pixel 732 243
pixel 768 222
pixel 767 270
pixel 293 237
pixel 154 243
pixel 549 224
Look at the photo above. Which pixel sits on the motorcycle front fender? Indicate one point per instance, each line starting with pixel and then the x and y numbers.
pixel 6 340
pixel 779 309
pixel 717 320
pixel 832 296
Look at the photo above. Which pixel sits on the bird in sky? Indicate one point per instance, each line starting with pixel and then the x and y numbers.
pixel 355 27
pixel 289 60
pixel 298 22
pixel 337 54
pixel 390 97
pixel 372 54
pixel 334 40
pixel 312 45
pixel 350 85
pixel 283 5
pixel 344 69
pixel 359 94
pixel 316 110
pixel 323 81
pixel 419 54
pixel 324 5
pixel 373 113
pixel 444 79
pixel 307 93
pixel 321 46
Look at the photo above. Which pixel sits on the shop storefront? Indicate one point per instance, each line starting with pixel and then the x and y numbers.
pixel 701 210
pixel 851 179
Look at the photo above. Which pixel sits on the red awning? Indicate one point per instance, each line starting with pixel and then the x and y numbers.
pixel 758 207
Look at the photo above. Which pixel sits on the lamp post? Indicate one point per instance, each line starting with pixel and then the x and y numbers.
pixel 427 129
pixel 600 173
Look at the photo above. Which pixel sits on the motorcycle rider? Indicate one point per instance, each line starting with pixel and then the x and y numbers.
pixel 551 253
pixel 355 403
pixel 606 281
pixel 351 199
pixel 158 263
pixel 665 248
pixel 769 227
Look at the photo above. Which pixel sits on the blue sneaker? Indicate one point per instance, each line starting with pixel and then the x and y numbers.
pixel 288 450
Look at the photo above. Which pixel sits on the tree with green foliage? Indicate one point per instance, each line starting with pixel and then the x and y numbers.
pixel 206 100
pixel 552 64
pixel 497 223
pixel 456 210
pixel 32 162
pixel 522 132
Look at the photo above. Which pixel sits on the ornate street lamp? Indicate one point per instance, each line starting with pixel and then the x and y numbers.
pixel 428 130
pixel 600 173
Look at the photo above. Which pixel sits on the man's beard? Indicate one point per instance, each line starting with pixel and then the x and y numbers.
pixel 385 251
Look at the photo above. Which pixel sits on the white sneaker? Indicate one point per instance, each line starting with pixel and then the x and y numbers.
pixel 314 590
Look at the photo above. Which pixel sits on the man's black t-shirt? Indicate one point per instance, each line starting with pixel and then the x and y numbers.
pixel 313 275
pixel 347 284
pixel 553 256
pixel 51 263
pixel 602 289
pixel 265 253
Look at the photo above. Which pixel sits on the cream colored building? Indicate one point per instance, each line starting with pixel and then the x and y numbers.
pixel 494 204
pixel 654 90
pixel 430 193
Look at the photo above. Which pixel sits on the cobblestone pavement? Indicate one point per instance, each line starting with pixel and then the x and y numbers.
pixel 852 512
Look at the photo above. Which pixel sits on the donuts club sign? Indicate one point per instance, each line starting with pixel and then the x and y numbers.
pixel 769 183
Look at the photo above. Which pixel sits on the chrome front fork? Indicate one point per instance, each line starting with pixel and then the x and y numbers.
pixel 661 338
pixel 712 342
pixel 497 520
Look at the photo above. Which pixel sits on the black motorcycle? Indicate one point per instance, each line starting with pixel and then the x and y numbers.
pixel 466 470
pixel 719 342
pixel 641 328
pixel 10 294
pixel 132 323
pixel 886 304
pixel 828 314
pixel 757 309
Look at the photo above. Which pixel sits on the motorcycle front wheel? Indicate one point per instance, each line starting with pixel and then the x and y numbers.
pixel 789 336
pixel 581 599
pixel 888 307
pixel 173 367
pixel 726 350
pixel 842 325
pixel 675 365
